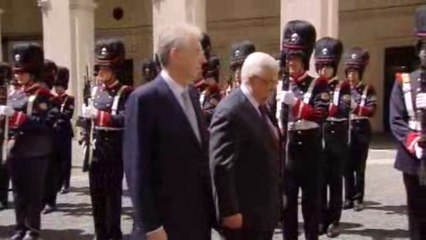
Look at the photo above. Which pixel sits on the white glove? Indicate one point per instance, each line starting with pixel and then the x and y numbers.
pixel 421 100
pixel 89 112
pixel 418 150
pixel 6 111
pixel 287 97
pixel 353 104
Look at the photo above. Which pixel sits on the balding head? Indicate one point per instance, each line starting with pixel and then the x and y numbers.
pixel 260 74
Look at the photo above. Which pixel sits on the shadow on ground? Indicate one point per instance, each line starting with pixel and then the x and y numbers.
pixel 50 234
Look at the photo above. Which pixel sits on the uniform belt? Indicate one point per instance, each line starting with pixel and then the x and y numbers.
pixel 302 125
pixel 355 117
pixel 334 119
pixel 99 128
pixel 414 125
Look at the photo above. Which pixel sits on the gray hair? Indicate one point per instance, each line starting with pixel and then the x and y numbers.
pixel 175 36
pixel 258 63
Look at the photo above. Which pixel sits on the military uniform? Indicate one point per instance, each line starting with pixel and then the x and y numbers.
pixel 5 75
pixel 52 180
pixel 307 112
pixel 106 170
pixel 32 115
pixel 210 94
pixel 406 128
pixel 363 108
pixel 328 52
pixel 63 129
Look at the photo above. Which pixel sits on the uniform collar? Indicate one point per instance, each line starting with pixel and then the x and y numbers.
pixel 31 88
pixel 332 80
pixel 63 95
pixel 112 85
pixel 300 77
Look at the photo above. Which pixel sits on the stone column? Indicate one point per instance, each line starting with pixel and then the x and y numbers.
pixel 83 38
pixel 167 12
pixel 57 30
pixel 323 14
pixel 68 38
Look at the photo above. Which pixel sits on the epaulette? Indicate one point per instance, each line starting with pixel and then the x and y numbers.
pixel 321 81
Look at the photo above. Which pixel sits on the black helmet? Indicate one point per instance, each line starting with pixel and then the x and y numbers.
pixel 5 73
pixel 212 69
pixel 240 51
pixel 357 58
pixel 50 72
pixel 62 78
pixel 28 57
pixel 110 53
pixel 328 51
pixel 298 39
pixel 149 70
pixel 206 44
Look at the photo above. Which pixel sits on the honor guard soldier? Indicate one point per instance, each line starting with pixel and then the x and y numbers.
pixel 407 121
pixel 63 127
pixel 328 52
pixel 363 105
pixel 307 100
pixel 149 70
pixel 208 84
pixel 5 76
pixel 107 114
pixel 31 114
pixel 239 52
pixel 52 179
pixel 210 94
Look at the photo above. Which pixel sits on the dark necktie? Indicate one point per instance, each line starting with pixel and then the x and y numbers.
pixel 268 124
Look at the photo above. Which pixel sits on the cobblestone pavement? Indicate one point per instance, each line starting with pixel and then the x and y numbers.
pixel 383 218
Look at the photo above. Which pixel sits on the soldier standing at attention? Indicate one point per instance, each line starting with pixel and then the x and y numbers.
pixel 308 101
pixel 107 113
pixel 407 107
pixel 363 105
pixel 63 128
pixel 31 115
pixel 328 52
pixel 52 180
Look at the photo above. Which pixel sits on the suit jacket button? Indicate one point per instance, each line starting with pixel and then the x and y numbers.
pixel 299 132
pixel 299 143
pixel 332 131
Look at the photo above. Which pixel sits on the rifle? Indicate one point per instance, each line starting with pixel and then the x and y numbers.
pixel 421 114
pixel 5 143
pixel 283 116
pixel 87 125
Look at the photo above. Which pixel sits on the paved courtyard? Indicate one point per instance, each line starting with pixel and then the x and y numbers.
pixel 383 218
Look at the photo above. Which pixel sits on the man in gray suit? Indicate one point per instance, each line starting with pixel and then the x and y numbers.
pixel 244 154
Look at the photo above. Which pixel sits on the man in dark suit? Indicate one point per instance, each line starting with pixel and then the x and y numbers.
pixel 244 154
pixel 166 146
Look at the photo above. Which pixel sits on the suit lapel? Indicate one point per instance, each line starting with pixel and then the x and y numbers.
pixel 260 126
pixel 177 109
pixel 201 123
